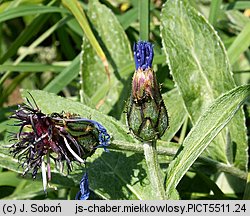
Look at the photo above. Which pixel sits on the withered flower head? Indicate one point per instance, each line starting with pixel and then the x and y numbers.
pixel 61 137
pixel 146 114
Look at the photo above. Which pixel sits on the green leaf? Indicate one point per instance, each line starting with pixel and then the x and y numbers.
pixel 65 77
pixel 9 178
pixel 237 20
pixel 77 11
pixel 240 5
pixel 119 175
pixel 129 17
pixel 92 72
pixel 25 36
pixel 240 44
pixel 31 67
pixel 214 11
pixel 105 93
pixel 108 178
pixel 6 160
pixel 201 71
pixel 205 130
pixel 74 25
pixel 29 10
pixel 176 111
pixel 195 55
pixel 116 42
pixel 26 190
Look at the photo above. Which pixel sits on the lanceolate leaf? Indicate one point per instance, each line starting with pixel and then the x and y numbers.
pixel 195 55
pixel 201 70
pixel 176 111
pixel 92 72
pixel 105 93
pixel 120 175
pixel 115 41
pixel 204 131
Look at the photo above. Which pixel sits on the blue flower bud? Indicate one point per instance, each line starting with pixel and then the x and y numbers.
pixel 143 55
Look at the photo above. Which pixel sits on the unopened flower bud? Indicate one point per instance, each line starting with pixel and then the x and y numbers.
pixel 146 115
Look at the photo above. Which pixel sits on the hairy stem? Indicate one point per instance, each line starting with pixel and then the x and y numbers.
pixel 144 19
pixel 154 169
pixel 135 147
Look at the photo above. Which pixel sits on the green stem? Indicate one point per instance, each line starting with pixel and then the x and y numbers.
pixel 144 19
pixel 222 167
pixel 154 169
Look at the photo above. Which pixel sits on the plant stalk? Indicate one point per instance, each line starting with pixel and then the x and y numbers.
pixel 154 169
pixel 222 167
pixel 144 19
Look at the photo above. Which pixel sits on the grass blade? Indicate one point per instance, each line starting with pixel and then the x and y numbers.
pixel 31 67
pixel 26 34
pixel 35 43
pixel 65 77
pixel 77 11
pixel 240 44
pixel 214 11
pixel 144 19
pixel 128 18
pixel 238 5
pixel 29 10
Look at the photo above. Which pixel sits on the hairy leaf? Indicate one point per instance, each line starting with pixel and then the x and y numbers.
pixel 201 70
pixel 212 121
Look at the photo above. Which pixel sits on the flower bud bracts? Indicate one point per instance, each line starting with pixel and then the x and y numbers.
pixel 146 114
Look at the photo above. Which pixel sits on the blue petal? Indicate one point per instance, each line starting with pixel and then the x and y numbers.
pixel 143 55
pixel 84 192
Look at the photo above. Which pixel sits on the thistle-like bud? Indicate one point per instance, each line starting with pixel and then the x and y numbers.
pixel 146 114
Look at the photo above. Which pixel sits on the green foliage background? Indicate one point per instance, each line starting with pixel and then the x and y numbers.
pixel 76 56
